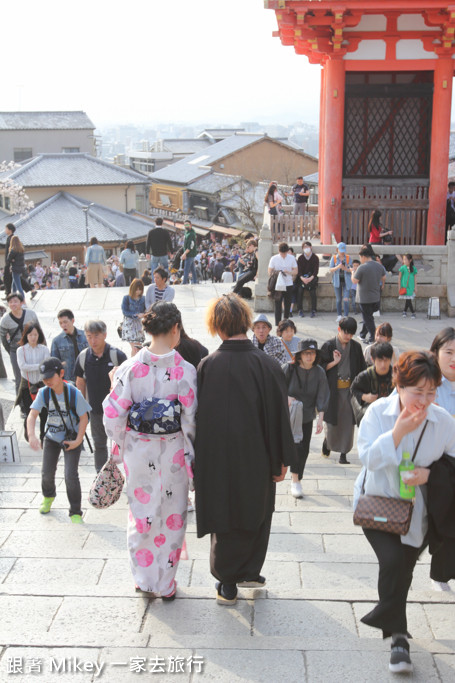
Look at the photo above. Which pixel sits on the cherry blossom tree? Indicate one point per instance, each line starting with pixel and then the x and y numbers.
pixel 19 201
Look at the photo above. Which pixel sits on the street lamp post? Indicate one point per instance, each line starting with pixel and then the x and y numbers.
pixel 85 209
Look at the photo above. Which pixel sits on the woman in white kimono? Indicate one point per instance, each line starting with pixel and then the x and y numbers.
pixel 156 445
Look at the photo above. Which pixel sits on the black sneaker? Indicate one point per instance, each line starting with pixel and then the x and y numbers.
pixel 400 661
pixel 325 451
pixel 258 582
pixel 343 460
pixel 226 593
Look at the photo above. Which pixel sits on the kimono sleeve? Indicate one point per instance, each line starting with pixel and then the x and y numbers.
pixel 187 388
pixel 116 407
pixel 323 395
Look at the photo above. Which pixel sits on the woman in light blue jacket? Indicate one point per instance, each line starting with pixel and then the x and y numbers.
pixel 129 258
pixel 340 267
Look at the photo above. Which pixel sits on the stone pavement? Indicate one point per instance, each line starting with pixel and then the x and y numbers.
pixel 67 601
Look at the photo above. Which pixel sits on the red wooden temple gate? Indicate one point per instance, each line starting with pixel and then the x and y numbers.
pixel 386 91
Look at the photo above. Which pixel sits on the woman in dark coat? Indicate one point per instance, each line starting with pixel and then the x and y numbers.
pixel 342 359
pixel 243 442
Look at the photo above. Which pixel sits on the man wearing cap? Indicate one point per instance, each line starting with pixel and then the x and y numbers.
pixel 66 423
pixel 309 390
pixel 369 278
pixel 264 341
pixel 340 267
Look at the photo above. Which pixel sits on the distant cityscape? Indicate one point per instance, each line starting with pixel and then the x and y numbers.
pixel 121 139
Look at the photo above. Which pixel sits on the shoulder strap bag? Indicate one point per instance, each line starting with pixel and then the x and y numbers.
pixel 385 514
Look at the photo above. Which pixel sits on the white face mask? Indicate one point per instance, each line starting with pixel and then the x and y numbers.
pixel 307 252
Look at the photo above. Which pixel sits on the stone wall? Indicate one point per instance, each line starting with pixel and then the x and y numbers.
pixel 435 278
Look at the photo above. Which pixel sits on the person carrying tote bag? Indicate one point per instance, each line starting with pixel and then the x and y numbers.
pixel 406 422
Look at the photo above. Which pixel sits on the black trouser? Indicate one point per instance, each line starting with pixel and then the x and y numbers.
pixel 51 452
pixel 7 280
pixel 243 279
pixel 238 555
pixel 408 305
pixel 312 291
pixel 396 565
pixel 279 297
pixel 302 449
pixel 368 320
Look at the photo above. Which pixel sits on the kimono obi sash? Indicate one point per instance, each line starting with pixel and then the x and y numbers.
pixel 156 416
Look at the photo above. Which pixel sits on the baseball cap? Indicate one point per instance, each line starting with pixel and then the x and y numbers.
pixel 50 367
pixel 307 345
pixel 341 246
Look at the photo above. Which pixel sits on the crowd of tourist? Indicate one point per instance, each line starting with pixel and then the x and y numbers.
pixel 155 412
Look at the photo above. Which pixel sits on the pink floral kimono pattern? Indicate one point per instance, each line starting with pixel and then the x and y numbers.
pixel 158 467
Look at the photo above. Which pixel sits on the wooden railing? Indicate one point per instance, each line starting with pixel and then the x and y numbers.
pixel 403 204
pixel 294 229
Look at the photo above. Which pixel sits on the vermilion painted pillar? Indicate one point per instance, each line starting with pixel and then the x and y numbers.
pixel 439 161
pixel 332 146
pixel 321 146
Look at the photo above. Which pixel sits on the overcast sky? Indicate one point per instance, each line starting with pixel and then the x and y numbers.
pixel 154 60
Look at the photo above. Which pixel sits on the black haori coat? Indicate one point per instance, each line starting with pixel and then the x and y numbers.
pixel 243 436
pixel 356 363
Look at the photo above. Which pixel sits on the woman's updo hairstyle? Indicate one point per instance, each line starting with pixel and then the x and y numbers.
pixel 161 318
pixel 415 366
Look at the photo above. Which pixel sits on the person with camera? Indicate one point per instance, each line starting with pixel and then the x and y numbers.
pixel 340 266
pixel 308 269
pixel 66 423
pixel 32 351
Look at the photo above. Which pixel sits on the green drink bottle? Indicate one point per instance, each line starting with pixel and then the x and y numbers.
pixel 406 465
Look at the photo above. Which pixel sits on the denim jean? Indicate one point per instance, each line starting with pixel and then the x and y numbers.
pixel 99 437
pixel 352 293
pixel 189 267
pixel 156 261
pixel 17 285
pixel 51 452
pixel 342 294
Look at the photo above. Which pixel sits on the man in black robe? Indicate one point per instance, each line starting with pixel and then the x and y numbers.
pixel 243 442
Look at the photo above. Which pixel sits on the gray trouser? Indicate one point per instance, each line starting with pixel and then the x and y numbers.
pixel 51 452
pixel 299 208
pixel 99 437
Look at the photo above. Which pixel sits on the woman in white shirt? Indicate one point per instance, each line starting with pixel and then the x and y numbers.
pixel 392 426
pixel 31 352
pixel 286 263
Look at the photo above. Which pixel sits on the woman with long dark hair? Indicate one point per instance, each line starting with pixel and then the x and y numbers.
pixel 31 352
pixel 16 262
pixel 273 199
pixel 376 232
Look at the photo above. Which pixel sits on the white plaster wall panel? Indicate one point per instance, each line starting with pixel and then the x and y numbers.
pixel 368 49
pixel 413 49
pixel 413 22
pixel 370 22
